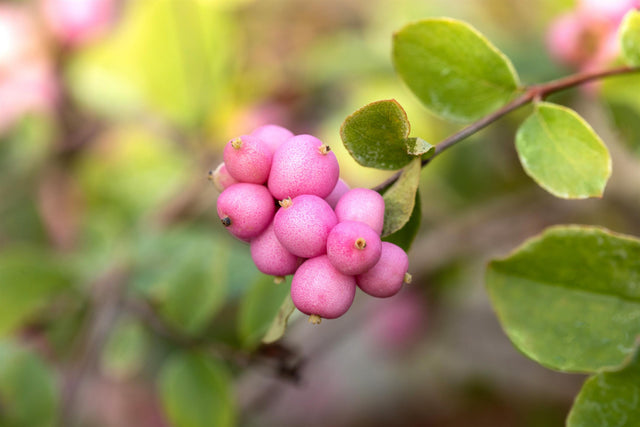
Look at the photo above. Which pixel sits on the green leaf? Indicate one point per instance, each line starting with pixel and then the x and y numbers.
pixel 279 323
pixel 377 136
pixel 626 119
pixel 168 56
pixel 184 274
pixel 630 38
pixel 196 392
pixel 570 298
pixel 405 236
pixel 124 352
pixel 453 69
pixel 258 309
pixel 608 399
pixel 28 280
pixel 561 152
pixel 28 395
pixel 399 199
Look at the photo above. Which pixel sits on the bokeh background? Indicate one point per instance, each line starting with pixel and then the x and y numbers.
pixel 112 258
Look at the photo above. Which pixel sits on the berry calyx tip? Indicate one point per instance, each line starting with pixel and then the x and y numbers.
pixel 407 278
pixel 315 319
pixel 210 175
pixel 226 221
pixel 236 143
pixel 360 243
pixel 278 279
pixel 324 149
pixel 286 203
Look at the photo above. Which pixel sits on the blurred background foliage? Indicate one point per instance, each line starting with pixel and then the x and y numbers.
pixel 122 300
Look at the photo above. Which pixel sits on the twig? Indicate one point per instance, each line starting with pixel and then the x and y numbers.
pixel 530 94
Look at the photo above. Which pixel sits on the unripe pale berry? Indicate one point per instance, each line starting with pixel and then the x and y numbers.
pixel 272 135
pixel 246 209
pixel 248 159
pixel 221 177
pixel 385 278
pixel 303 224
pixel 303 165
pixel 364 205
pixel 270 256
pixel 338 191
pixel 320 290
pixel 353 247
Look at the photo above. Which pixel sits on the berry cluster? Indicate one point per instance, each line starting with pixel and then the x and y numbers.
pixel 282 193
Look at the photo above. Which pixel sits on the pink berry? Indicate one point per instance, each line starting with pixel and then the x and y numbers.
pixel 303 165
pixel 303 224
pixel 221 178
pixel 270 256
pixel 321 291
pixel 246 209
pixel 272 135
pixel 353 247
pixel 364 205
pixel 385 279
pixel 338 191
pixel 248 159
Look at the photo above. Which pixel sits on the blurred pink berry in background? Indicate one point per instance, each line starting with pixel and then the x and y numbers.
pixel 396 324
pixel 75 22
pixel 27 82
pixel 586 38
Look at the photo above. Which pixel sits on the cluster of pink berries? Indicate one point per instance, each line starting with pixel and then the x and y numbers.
pixel 282 194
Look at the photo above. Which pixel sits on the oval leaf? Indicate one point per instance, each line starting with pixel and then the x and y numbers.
pixel 570 298
pixel 279 323
pixel 191 285
pixel 28 281
pixel 454 70
pixel 258 309
pixel 399 199
pixel 405 236
pixel 608 399
pixel 630 38
pixel 376 136
pixel 561 152
pixel 196 392
pixel 28 394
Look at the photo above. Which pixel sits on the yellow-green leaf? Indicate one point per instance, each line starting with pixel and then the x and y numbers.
pixel 562 153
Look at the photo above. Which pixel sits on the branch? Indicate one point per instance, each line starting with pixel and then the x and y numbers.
pixel 531 93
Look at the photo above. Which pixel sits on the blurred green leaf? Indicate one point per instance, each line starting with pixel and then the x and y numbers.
pixel 279 324
pixel 130 172
pixel 258 309
pixel 196 392
pixel 29 279
pixel 28 395
pixel 399 199
pixel 570 298
pixel 608 399
pixel 562 153
pixel 405 236
pixel 627 122
pixel 170 56
pixel 630 37
pixel 124 353
pixel 184 273
pixel 454 70
pixel 377 134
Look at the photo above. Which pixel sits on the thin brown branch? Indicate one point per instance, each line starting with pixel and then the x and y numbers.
pixel 530 94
